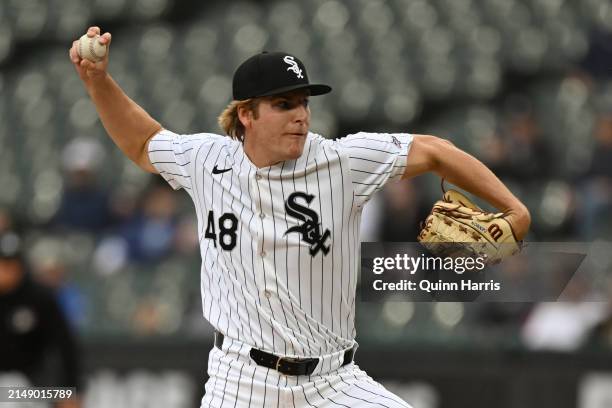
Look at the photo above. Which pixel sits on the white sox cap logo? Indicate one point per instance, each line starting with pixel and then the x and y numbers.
pixel 293 66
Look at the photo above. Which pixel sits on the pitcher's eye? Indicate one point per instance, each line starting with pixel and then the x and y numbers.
pixel 282 104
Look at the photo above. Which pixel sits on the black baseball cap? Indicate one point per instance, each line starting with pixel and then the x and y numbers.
pixel 271 73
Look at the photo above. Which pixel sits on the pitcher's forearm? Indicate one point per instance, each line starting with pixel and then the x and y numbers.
pixel 463 170
pixel 467 172
pixel 129 125
pixel 433 154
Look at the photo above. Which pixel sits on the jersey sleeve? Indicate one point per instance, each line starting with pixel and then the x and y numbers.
pixel 171 155
pixel 374 159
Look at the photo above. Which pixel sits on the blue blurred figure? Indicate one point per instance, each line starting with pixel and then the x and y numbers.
pixel 150 233
pixel 84 205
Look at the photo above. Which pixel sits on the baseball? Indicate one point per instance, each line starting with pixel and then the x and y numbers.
pixel 91 49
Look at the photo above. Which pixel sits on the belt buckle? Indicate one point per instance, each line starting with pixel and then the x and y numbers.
pixel 278 361
pixel 288 360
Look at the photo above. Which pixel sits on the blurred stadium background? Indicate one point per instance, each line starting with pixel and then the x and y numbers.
pixel 524 85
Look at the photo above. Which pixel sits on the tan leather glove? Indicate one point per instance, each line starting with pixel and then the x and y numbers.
pixel 458 227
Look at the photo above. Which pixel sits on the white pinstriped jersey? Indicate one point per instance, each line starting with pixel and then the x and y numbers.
pixel 280 245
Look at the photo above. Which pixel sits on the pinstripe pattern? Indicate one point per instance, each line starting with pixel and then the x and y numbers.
pixel 265 279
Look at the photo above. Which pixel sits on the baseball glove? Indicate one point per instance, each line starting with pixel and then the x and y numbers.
pixel 457 227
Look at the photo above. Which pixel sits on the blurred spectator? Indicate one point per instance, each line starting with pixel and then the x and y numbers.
pixel 35 338
pixel 564 325
pixel 150 234
pixel 147 317
pixel 51 271
pixel 5 221
pixel 519 151
pixel 404 210
pixel 395 217
pixel 493 153
pixel 187 241
pixel 596 185
pixel 601 165
pixel 84 204
pixel 599 58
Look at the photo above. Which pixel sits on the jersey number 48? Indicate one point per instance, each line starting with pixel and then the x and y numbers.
pixel 227 233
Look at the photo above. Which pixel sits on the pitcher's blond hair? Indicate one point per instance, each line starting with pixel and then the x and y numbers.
pixel 230 122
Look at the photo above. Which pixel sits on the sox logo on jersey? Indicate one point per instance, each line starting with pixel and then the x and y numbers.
pixel 311 228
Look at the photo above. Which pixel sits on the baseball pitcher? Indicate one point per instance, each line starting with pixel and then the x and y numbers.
pixel 278 210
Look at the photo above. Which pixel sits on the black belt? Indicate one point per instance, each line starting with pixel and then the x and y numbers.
pixel 286 365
